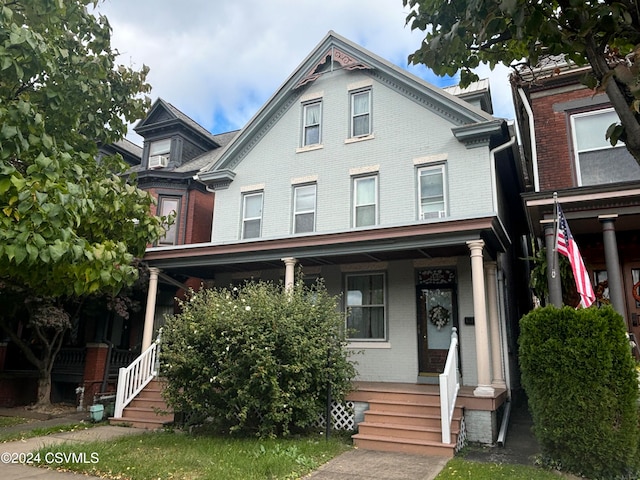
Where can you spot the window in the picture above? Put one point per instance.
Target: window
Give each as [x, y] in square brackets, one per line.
[251, 215]
[597, 162]
[431, 192]
[365, 307]
[159, 153]
[365, 200]
[361, 113]
[311, 123]
[166, 207]
[304, 208]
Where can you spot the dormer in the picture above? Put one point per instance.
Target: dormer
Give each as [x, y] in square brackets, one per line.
[171, 138]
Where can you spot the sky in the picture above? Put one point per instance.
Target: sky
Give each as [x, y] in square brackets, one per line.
[219, 61]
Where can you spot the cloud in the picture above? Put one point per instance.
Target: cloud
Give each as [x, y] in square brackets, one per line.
[220, 61]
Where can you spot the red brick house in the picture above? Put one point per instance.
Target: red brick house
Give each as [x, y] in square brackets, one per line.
[562, 125]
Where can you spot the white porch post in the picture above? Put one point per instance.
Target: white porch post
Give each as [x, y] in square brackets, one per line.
[494, 323]
[150, 313]
[289, 272]
[484, 388]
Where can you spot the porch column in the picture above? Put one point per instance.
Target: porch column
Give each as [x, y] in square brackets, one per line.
[553, 275]
[484, 388]
[289, 272]
[150, 313]
[494, 323]
[614, 275]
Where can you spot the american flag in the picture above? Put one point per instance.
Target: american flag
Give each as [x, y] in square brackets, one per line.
[567, 246]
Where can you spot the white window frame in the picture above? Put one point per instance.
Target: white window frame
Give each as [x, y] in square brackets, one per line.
[305, 126]
[171, 235]
[365, 306]
[297, 212]
[443, 172]
[353, 115]
[246, 219]
[574, 138]
[356, 181]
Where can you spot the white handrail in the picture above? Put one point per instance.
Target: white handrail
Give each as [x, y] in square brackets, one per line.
[449, 387]
[132, 379]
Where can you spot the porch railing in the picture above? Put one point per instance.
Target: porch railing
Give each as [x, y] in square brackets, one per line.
[449, 387]
[132, 379]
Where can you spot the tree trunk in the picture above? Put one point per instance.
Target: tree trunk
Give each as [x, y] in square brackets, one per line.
[44, 390]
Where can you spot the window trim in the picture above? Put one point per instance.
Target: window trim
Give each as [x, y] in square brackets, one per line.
[354, 208]
[295, 213]
[176, 224]
[383, 305]
[352, 115]
[305, 106]
[574, 138]
[443, 170]
[244, 220]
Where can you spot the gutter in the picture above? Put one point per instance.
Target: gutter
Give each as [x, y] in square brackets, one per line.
[494, 180]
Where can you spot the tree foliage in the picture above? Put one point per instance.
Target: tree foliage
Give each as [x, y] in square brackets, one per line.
[69, 225]
[582, 386]
[256, 359]
[460, 35]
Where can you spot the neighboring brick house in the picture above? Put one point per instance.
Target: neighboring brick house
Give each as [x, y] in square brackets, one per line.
[400, 195]
[563, 125]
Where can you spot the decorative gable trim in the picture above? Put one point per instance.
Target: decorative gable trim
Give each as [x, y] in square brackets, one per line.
[218, 179]
[332, 54]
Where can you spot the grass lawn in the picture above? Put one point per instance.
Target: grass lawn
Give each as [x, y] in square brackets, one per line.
[459, 468]
[11, 421]
[44, 431]
[169, 455]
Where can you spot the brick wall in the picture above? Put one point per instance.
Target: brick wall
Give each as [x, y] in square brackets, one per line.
[199, 217]
[553, 138]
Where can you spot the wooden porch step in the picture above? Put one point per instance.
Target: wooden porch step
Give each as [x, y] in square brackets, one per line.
[147, 410]
[402, 418]
[407, 432]
[391, 444]
[141, 423]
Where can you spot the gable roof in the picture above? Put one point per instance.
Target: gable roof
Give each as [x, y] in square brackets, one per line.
[335, 48]
[162, 115]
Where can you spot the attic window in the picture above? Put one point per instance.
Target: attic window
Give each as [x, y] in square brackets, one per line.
[159, 152]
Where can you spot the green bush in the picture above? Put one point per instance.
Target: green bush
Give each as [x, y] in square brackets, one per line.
[579, 375]
[256, 359]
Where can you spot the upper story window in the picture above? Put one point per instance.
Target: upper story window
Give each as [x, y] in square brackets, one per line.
[312, 114]
[361, 113]
[365, 302]
[166, 207]
[432, 192]
[597, 161]
[159, 153]
[252, 215]
[304, 208]
[365, 201]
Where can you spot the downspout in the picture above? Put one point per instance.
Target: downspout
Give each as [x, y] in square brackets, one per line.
[532, 137]
[494, 180]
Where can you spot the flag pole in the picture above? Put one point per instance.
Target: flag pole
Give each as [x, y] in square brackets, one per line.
[555, 233]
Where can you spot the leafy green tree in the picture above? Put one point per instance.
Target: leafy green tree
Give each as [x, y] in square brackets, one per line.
[256, 359]
[70, 225]
[462, 34]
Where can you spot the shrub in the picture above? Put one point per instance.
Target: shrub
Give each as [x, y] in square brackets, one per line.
[579, 375]
[256, 359]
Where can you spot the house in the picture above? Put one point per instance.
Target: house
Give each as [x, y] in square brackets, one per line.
[563, 125]
[404, 198]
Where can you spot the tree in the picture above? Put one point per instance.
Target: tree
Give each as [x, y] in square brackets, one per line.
[463, 34]
[70, 224]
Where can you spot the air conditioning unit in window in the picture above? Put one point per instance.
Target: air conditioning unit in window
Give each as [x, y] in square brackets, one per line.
[158, 161]
[432, 215]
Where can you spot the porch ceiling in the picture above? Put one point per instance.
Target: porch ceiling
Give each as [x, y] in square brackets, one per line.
[425, 240]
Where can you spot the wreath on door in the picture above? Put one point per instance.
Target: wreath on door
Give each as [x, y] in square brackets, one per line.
[439, 316]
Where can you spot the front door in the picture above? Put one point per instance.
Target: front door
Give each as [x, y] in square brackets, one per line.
[436, 296]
